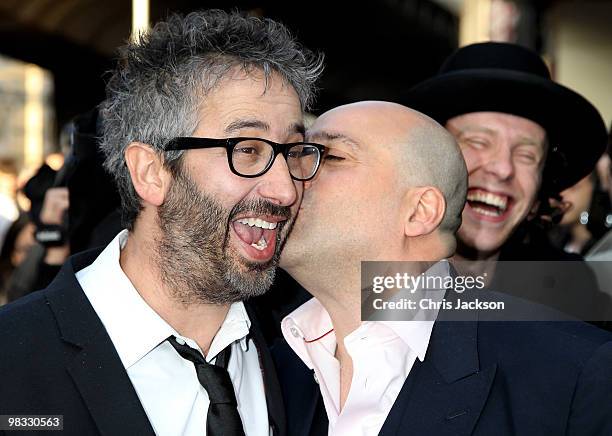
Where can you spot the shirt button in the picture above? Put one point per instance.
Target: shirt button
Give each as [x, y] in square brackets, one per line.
[180, 341]
[314, 375]
[295, 332]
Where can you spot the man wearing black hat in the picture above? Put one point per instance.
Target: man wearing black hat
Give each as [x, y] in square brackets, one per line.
[525, 138]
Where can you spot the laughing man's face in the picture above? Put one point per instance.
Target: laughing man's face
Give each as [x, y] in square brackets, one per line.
[504, 155]
[221, 233]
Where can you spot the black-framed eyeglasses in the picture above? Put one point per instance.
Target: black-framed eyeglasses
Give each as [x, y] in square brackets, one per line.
[253, 157]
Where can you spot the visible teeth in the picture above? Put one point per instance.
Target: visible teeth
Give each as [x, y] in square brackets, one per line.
[487, 212]
[258, 222]
[500, 201]
[261, 244]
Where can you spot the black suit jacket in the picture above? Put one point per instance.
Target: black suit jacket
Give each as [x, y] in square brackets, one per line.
[56, 358]
[483, 378]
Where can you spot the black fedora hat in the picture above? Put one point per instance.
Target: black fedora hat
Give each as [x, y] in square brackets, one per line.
[508, 78]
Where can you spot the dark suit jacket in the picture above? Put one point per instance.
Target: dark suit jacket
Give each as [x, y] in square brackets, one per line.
[488, 378]
[57, 359]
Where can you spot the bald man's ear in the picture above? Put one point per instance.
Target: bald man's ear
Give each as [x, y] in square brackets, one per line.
[424, 209]
[149, 177]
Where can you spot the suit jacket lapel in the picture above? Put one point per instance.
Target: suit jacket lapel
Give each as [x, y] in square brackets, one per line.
[304, 411]
[300, 391]
[93, 362]
[444, 394]
[274, 398]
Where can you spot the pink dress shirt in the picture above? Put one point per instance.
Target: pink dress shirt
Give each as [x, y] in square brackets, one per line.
[383, 353]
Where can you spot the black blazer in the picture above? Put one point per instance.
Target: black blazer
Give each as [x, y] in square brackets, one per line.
[483, 378]
[57, 359]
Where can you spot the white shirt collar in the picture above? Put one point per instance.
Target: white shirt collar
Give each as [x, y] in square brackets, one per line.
[133, 326]
[416, 334]
[310, 321]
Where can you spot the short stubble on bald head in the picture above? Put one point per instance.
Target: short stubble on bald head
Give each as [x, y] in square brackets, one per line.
[430, 156]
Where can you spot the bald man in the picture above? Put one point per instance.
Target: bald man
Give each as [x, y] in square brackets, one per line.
[392, 188]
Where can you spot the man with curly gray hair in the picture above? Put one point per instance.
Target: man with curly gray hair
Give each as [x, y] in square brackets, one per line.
[204, 136]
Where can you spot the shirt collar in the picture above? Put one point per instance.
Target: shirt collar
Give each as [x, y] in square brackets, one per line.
[133, 326]
[416, 334]
[235, 327]
[305, 324]
[311, 321]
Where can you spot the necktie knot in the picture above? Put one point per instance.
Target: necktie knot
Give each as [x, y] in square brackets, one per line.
[186, 352]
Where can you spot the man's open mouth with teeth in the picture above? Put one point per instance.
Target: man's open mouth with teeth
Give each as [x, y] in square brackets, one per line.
[489, 204]
[259, 234]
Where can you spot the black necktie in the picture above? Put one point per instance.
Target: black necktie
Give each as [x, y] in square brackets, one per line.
[222, 418]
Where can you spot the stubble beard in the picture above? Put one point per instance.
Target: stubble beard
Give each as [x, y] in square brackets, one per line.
[195, 261]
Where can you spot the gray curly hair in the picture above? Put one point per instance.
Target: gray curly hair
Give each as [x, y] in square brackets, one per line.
[157, 88]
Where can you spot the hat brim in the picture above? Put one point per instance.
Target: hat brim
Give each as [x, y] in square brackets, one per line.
[576, 132]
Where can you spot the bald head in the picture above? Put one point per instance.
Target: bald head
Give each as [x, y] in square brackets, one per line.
[391, 187]
[426, 154]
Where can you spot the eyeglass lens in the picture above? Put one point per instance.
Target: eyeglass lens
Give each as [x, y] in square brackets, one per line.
[251, 157]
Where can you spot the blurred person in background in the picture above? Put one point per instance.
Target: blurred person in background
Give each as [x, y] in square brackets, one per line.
[602, 250]
[47, 214]
[604, 169]
[600, 255]
[525, 138]
[583, 221]
[8, 208]
[18, 241]
[74, 204]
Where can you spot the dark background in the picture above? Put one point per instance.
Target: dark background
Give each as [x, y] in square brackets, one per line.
[373, 49]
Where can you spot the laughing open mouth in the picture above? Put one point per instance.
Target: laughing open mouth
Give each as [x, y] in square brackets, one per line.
[256, 232]
[258, 235]
[488, 203]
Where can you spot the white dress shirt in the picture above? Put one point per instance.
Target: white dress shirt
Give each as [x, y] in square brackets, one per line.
[167, 384]
[383, 353]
